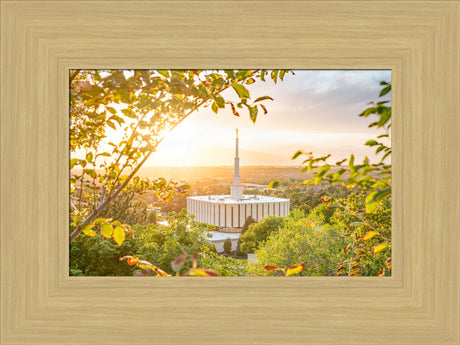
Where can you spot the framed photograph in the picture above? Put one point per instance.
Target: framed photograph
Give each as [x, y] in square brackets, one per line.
[233, 172]
[43, 42]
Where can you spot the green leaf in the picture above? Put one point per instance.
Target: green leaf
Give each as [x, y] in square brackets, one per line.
[230, 73]
[164, 73]
[385, 116]
[253, 113]
[297, 154]
[73, 161]
[241, 90]
[219, 101]
[263, 98]
[374, 197]
[323, 170]
[128, 112]
[274, 75]
[243, 74]
[112, 110]
[273, 184]
[385, 90]
[91, 172]
[214, 107]
[339, 163]
[371, 143]
[351, 162]
[144, 101]
[89, 157]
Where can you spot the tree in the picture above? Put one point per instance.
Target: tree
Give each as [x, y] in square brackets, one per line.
[143, 105]
[300, 240]
[98, 256]
[365, 238]
[249, 220]
[228, 246]
[128, 211]
[258, 232]
[162, 244]
[374, 180]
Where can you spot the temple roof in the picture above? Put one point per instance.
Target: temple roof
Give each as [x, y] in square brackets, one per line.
[226, 199]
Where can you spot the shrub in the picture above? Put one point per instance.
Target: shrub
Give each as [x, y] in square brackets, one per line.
[258, 233]
[228, 246]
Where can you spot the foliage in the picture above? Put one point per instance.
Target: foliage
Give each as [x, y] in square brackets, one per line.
[368, 236]
[162, 244]
[125, 210]
[257, 233]
[228, 246]
[249, 220]
[143, 105]
[300, 240]
[375, 178]
[98, 256]
[306, 199]
[226, 266]
[365, 221]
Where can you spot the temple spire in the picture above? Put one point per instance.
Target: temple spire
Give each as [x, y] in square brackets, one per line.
[236, 189]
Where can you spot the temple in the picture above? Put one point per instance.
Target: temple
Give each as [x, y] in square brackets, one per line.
[229, 212]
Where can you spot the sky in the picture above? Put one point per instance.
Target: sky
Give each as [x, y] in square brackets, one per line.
[313, 110]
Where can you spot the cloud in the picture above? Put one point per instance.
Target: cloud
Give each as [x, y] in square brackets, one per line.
[311, 108]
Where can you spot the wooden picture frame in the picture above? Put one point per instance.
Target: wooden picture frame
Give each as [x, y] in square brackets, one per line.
[417, 40]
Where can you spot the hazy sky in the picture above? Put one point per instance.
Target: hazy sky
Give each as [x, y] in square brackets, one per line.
[312, 110]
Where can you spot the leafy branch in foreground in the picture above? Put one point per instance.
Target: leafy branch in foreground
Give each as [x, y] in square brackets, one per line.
[143, 106]
[374, 178]
[147, 268]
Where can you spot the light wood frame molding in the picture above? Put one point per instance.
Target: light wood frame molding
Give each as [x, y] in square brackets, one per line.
[417, 40]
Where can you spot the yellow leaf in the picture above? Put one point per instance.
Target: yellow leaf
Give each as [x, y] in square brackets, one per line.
[145, 265]
[106, 230]
[88, 230]
[203, 272]
[119, 235]
[296, 269]
[368, 235]
[133, 261]
[379, 248]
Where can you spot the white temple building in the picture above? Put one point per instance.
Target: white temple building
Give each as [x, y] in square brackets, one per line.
[229, 212]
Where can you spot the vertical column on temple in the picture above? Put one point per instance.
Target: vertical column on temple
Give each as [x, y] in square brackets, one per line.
[236, 191]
